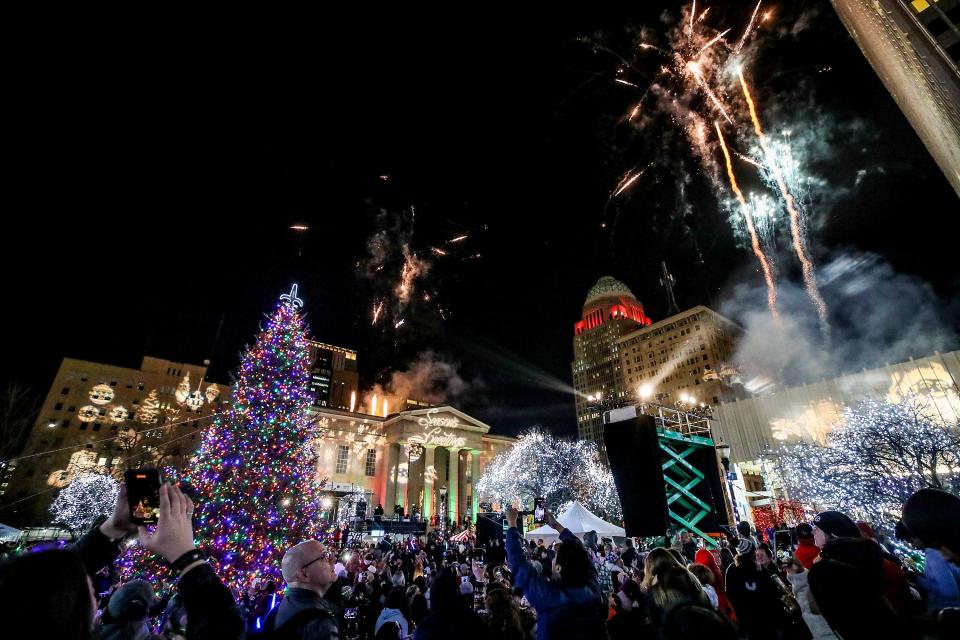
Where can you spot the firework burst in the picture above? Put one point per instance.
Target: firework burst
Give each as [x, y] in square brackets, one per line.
[696, 79]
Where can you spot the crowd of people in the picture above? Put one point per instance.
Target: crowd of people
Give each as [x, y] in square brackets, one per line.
[830, 578]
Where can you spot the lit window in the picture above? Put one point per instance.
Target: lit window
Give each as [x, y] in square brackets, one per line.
[343, 458]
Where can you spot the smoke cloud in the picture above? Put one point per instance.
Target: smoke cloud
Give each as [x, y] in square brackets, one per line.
[878, 316]
[431, 378]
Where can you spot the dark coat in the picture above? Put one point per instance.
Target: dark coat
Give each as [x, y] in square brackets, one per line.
[209, 604]
[455, 622]
[324, 627]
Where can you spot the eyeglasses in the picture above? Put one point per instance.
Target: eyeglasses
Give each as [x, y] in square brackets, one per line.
[326, 555]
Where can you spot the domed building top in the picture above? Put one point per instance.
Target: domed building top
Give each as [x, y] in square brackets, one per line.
[610, 300]
[607, 286]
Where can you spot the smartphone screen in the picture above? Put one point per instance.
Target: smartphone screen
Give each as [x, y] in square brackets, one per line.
[143, 495]
[538, 509]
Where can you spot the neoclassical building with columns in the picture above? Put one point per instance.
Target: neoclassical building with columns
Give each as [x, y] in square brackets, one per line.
[419, 458]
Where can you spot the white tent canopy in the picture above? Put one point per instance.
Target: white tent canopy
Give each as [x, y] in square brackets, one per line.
[579, 521]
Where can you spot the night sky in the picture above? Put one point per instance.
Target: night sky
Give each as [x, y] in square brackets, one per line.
[155, 178]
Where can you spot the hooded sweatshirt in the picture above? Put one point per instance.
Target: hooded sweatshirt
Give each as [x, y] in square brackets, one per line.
[392, 615]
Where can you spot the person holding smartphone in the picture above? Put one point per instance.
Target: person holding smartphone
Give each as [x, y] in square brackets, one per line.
[62, 603]
[570, 605]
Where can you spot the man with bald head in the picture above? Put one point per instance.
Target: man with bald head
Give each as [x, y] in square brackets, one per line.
[304, 613]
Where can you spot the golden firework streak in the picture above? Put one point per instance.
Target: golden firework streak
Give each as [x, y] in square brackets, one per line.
[796, 230]
[754, 240]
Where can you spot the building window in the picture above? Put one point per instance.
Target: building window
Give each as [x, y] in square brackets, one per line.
[139, 386]
[343, 457]
[71, 408]
[65, 424]
[371, 462]
[58, 406]
[83, 426]
[113, 383]
[96, 426]
[64, 391]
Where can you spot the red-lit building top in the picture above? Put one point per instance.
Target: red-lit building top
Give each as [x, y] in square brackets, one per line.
[610, 300]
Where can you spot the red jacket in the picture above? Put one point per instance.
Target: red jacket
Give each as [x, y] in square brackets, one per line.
[706, 558]
[807, 552]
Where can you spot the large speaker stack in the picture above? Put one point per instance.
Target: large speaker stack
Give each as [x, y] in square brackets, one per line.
[633, 451]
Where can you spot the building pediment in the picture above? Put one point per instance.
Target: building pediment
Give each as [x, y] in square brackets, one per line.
[436, 426]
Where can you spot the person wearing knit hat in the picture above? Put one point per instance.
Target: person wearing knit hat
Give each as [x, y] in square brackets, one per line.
[833, 524]
[126, 614]
[807, 551]
[753, 593]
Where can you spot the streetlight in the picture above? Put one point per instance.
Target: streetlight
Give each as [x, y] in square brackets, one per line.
[646, 392]
[723, 450]
[442, 515]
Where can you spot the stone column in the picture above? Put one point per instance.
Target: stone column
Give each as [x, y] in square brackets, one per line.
[453, 484]
[474, 477]
[390, 493]
[429, 457]
[403, 481]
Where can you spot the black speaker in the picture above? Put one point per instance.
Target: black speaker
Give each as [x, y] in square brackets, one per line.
[634, 456]
[489, 527]
[711, 490]
[361, 508]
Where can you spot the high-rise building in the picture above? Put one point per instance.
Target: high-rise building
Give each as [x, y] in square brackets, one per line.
[684, 358]
[334, 379]
[913, 45]
[84, 421]
[609, 312]
[621, 357]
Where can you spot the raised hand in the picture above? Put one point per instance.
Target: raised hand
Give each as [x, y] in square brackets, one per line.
[118, 524]
[173, 535]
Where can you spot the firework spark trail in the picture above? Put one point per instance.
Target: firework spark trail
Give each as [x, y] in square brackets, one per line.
[712, 42]
[693, 12]
[796, 229]
[458, 239]
[377, 308]
[626, 82]
[754, 240]
[750, 160]
[746, 31]
[625, 183]
[694, 69]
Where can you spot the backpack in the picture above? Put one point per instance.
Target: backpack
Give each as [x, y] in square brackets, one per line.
[288, 630]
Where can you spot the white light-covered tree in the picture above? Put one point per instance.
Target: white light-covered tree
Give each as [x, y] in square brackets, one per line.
[560, 471]
[80, 503]
[877, 456]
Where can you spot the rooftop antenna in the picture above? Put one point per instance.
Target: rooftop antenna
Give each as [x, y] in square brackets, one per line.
[667, 281]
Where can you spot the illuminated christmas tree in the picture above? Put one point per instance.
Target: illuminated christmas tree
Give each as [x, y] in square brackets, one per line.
[254, 481]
